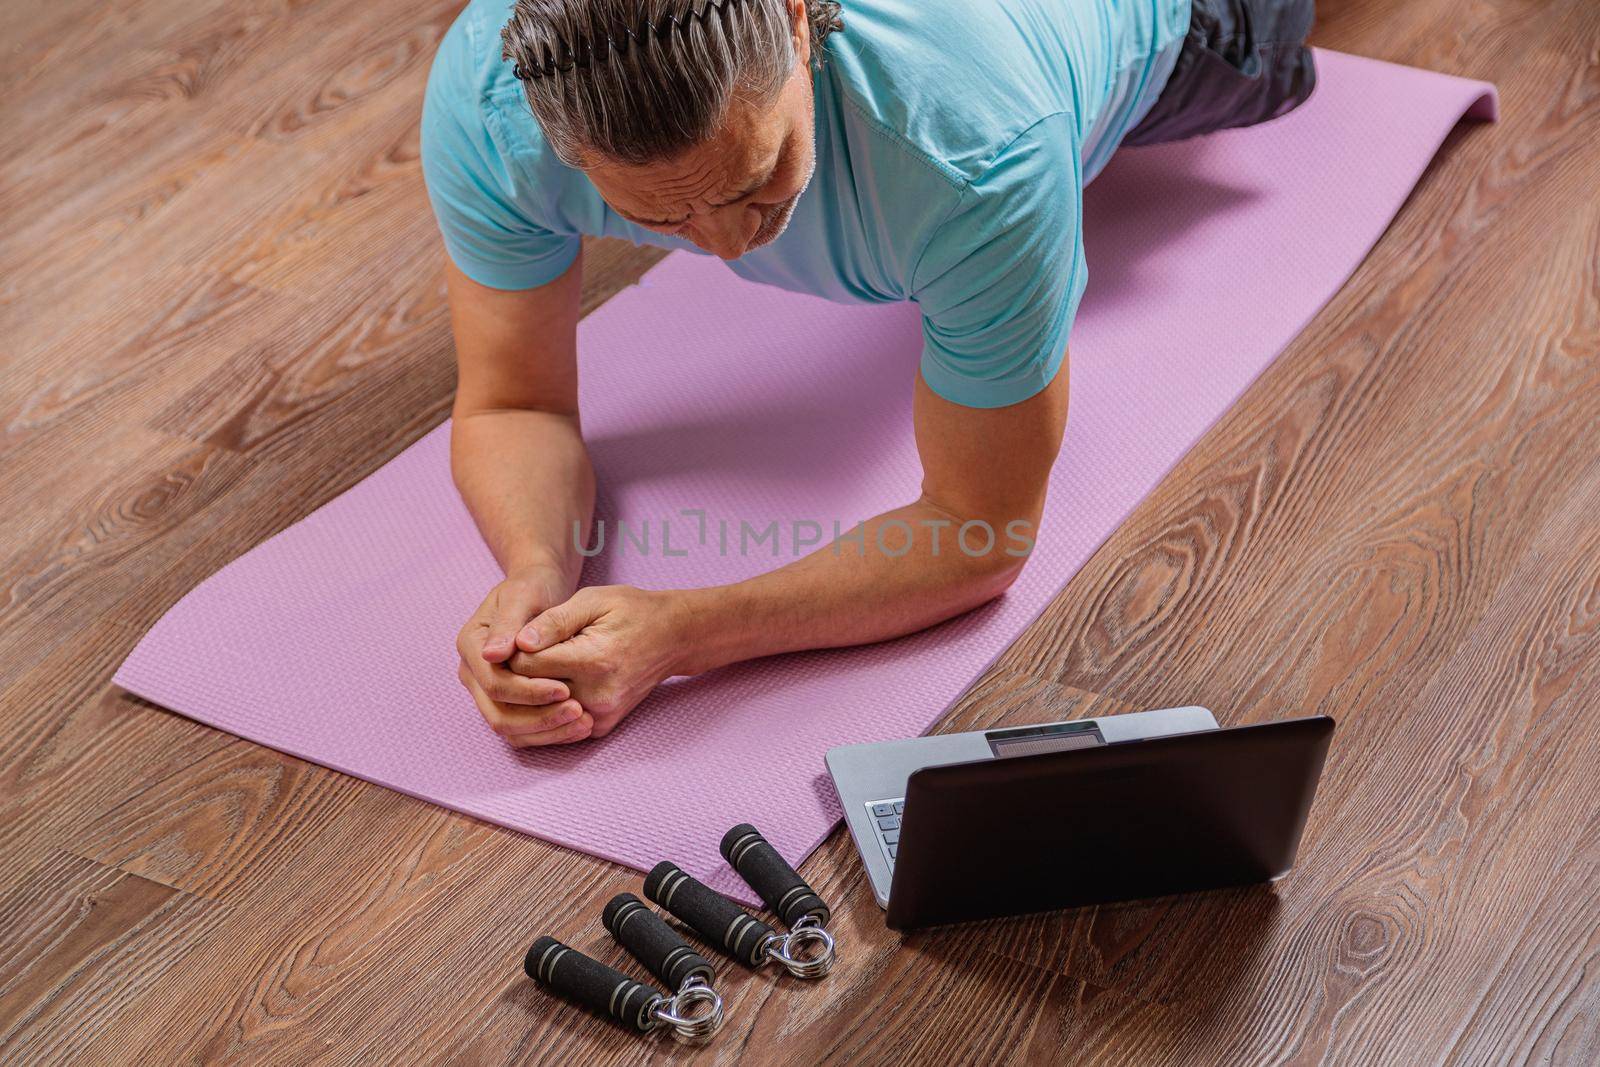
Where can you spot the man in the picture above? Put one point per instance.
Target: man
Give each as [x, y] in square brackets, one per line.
[925, 150]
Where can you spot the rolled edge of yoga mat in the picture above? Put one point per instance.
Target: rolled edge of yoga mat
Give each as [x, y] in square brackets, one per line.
[769, 874]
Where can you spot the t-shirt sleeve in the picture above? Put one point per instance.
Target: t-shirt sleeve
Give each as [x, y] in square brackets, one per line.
[485, 232]
[1000, 279]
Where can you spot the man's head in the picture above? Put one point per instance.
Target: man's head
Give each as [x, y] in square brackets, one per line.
[691, 117]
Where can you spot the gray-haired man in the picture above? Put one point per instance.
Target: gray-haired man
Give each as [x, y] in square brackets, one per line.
[934, 151]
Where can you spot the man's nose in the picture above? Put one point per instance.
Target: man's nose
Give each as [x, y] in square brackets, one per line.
[728, 231]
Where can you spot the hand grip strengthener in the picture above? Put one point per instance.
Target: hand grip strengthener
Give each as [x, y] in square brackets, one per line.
[610, 992]
[670, 958]
[806, 951]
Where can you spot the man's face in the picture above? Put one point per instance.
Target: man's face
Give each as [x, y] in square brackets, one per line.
[734, 193]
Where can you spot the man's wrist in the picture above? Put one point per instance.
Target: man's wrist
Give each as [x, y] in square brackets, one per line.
[558, 581]
[702, 630]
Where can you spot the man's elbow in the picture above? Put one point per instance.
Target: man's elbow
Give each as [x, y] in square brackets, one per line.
[995, 553]
[1000, 573]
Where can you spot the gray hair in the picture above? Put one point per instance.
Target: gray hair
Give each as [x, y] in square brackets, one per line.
[638, 81]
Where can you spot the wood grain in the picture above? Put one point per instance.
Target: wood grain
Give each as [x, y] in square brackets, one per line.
[79, 943]
[222, 304]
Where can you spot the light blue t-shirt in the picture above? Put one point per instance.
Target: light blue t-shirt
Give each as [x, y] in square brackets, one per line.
[953, 142]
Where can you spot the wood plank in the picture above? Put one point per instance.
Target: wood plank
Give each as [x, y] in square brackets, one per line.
[79, 940]
[62, 766]
[217, 827]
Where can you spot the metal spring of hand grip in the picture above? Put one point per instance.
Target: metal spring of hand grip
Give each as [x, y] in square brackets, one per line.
[676, 1011]
[788, 948]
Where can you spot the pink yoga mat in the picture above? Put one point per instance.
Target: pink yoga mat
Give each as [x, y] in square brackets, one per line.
[754, 405]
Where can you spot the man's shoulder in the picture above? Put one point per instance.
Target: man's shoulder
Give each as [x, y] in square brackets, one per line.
[950, 84]
[476, 117]
[469, 78]
[470, 52]
[459, 73]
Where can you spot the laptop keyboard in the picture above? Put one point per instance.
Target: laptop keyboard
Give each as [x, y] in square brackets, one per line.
[886, 818]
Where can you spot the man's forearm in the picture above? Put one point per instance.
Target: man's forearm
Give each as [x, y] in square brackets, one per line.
[911, 569]
[527, 479]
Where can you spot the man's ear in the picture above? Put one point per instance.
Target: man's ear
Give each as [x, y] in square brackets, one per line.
[800, 30]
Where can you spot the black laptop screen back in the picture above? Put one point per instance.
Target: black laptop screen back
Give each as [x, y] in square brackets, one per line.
[1114, 822]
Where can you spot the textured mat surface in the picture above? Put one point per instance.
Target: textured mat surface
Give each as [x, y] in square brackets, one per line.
[752, 405]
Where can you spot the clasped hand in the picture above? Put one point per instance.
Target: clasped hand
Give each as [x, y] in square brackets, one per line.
[545, 673]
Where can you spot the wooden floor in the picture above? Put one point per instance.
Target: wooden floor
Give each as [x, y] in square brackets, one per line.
[221, 305]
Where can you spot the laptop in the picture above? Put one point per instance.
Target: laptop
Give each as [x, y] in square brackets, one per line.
[975, 825]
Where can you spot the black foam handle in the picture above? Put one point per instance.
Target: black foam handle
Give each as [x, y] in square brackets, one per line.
[654, 943]
[592, 983]
[713, 916]
[758, 863]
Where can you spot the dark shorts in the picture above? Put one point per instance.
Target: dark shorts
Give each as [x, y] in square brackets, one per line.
[1243, 62]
